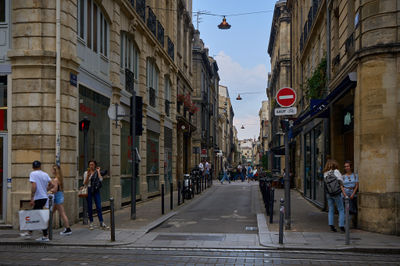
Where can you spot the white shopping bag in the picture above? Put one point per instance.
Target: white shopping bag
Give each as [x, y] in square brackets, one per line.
[33, 219]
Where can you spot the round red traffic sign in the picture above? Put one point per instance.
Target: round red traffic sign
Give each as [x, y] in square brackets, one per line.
[286, 97]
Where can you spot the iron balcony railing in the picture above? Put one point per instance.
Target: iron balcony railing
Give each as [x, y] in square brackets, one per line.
[171, 48]
[152, 21]
[312, 13]
[152, 97]
[160, 33]
[141, 8]
[129, 80]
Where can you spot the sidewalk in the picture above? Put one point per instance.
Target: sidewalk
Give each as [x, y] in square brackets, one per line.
[127, 231]
[310, 230]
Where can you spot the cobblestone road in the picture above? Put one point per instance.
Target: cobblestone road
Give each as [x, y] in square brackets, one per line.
[46, 255]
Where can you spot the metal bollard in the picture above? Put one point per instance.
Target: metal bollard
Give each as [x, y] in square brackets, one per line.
[347, 226]
[267, 198]
[197, 184]
[205, 182]
[183, 192]
[179, 193]
[85, 212]
[172, 196]
[281, 220]
[50, 216]
[112, 219]
[272, 201]
[192, 187]
[162, 199]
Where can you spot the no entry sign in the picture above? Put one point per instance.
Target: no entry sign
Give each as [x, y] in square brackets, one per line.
[286, 97]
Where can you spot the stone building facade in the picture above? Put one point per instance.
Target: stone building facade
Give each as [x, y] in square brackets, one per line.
[225, 116]
[280, 76]
[346, 72]
[264, 116]
[65, 60]
[205, 96]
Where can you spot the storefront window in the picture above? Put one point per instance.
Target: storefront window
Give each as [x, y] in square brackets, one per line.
[307, 168]
[319, 163]
[94, 107]
[3, 102]
[152, 161]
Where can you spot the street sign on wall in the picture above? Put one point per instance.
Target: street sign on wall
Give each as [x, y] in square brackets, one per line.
[286, 97]
[285, 111]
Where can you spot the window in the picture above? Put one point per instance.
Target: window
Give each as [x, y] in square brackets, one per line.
[2, 11]
[91, 22]
[152, 82]
[129, 55]
[167, 95]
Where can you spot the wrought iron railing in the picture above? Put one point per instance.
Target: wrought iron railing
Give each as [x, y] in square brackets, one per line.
[132, 3]
[312, 13]
[152, 97]
[160, 33]
[141, 8]
[152, 22]
[171, 48]
[167, 107]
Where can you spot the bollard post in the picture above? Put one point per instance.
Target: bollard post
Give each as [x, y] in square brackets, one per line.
[272, 201]
[281, 220]
[85, 214]
[183, 191]
[347, 228]
[51, 216]
[162, 199]
[267, 198]
[205, 182]
[112, 219]
[179, 193]
[171, 190]
[192, 187]
[197, 185]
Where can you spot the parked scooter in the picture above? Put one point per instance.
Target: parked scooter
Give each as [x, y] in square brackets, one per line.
[187, 186]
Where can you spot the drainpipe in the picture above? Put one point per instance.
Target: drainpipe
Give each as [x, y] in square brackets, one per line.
[58, 83]
[328, 45]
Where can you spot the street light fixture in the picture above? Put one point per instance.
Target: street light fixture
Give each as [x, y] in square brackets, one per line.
[239, 98]
[242, 127]
[224, 25]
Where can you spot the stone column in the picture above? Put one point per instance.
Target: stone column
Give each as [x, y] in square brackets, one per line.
[33, 57]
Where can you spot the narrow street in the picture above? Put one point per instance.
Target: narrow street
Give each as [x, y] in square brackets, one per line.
[230, 209]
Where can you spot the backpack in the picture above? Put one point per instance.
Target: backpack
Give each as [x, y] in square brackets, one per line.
[332, 184]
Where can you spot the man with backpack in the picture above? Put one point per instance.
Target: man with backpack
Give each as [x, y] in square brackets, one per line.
[334, 187]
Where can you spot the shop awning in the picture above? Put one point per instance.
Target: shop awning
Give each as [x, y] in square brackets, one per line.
[323, 105]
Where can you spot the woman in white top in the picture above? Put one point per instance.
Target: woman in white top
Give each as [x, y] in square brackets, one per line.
[331, 167]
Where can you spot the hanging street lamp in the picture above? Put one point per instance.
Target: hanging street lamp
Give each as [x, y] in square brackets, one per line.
[239, 98]
[224, 25]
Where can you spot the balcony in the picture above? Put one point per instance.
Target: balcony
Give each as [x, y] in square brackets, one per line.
[171, 48]
[167, 107]
[152, 97]
[312, 13]
[160, 33]
[141, 8]
[152, 22]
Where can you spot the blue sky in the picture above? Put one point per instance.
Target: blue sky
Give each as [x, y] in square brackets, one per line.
[241, 53]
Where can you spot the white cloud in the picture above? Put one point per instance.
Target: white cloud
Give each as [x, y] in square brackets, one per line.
[241, 79]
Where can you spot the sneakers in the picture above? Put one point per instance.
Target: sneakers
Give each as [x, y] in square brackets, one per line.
[43, 239]
[104, 226]
[91, 226]
[66, 232]
[26, 234]
[333, 228]
[342, 229]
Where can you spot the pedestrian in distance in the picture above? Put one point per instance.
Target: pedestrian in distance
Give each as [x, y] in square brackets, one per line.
[334, 187]
[350, 184]
[40, 181]
[240, 171]
[57, 188]
[225, 177]
[249, 173]
[92, 179]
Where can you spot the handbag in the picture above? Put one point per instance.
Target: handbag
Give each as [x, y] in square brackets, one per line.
[96, 183]
[83, 192]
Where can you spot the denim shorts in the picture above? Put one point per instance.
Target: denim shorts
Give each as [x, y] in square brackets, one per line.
[59, 197]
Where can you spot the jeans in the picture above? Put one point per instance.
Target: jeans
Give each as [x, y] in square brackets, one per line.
[331, 205]
[96, 196]
[38, 205]
[225, 178]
